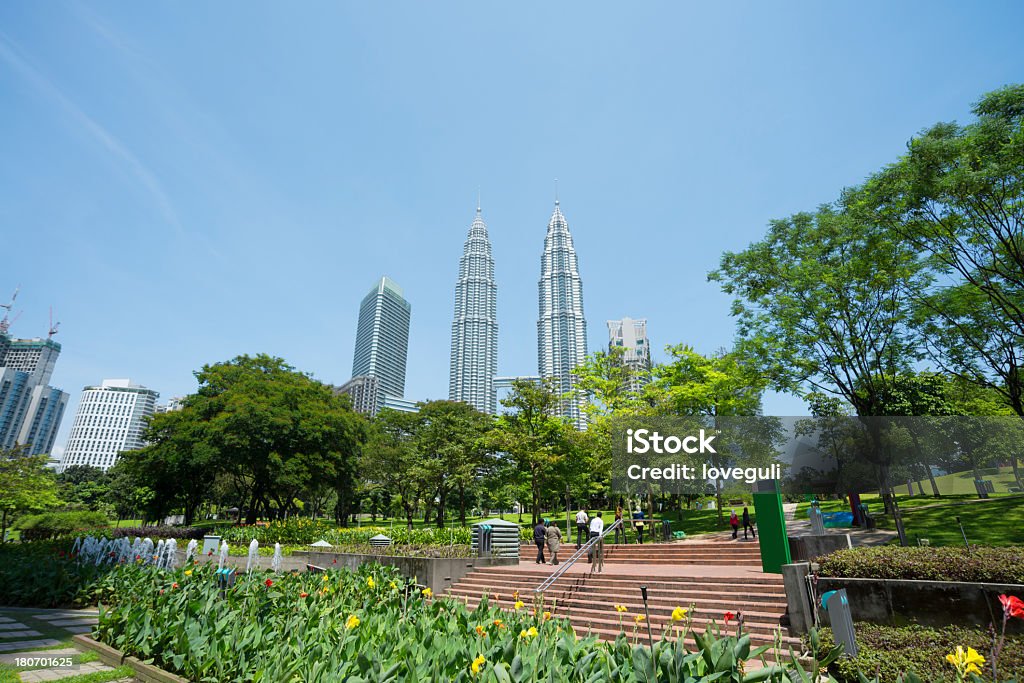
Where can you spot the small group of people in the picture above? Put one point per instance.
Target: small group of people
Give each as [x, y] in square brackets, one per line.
[734, 522]
[547, 533]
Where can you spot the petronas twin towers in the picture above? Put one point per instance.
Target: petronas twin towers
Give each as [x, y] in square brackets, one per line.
[561, 326]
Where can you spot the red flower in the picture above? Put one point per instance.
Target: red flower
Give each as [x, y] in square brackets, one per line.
[303, 595]
[728, 616]
[174, 585]
[138, 557]
[209, 554]
[335, 560]
[161, 591]
[1012, 606]
[268, 583]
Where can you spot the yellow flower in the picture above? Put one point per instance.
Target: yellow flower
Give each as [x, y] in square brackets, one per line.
[520, 604]
[638, 618]
[530, 632]
[188, 572]
[620, 608]
[325, 576]
[966, 662]
[352, 622]
[427, 592]
[477, 663]
[547, 615]
[370, 583]
[480, 630]
[678, 614]
[394, 586]
[499, 623]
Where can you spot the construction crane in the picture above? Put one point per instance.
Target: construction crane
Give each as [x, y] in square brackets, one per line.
[14, 297]
[6, 323]
[53, 325]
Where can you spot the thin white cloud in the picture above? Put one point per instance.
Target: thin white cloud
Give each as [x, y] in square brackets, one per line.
[10, 54]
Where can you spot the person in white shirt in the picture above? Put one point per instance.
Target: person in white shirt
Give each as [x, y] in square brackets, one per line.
[581, 527]
[596, 529]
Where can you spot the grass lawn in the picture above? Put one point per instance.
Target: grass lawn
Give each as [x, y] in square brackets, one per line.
[996, 521]
[963, 482]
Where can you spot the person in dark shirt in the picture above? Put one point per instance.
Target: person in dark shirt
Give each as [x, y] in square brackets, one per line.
[539, 537]
[746, 523]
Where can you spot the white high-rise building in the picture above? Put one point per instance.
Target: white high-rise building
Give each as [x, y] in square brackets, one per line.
[111, 418]
[631, 336]
[561, 328]
[474, 357]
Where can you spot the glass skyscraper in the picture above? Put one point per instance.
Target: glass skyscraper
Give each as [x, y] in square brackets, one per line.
[561, 328]
[474, 357]
[382, 339]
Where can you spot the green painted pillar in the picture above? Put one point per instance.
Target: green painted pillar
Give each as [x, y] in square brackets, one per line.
[771, 526]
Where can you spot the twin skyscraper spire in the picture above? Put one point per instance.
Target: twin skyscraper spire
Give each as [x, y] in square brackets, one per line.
[561, 325]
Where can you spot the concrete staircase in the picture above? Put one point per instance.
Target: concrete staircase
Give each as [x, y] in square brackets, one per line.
[691, 552]
[589, 600]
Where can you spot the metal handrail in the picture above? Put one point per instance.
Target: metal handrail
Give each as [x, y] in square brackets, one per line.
[575, 556]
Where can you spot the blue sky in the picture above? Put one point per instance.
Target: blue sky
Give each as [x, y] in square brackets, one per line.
[187, 182]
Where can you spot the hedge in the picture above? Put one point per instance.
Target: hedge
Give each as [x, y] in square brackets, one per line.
[981, 565]
[887, 651]
[57, 524]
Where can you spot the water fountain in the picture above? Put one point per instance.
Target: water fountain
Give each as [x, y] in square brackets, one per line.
[275, 562]
[223, 557]
[171, 554]
[190, 551]
[158, 560]
[254, 555]
[146, 551]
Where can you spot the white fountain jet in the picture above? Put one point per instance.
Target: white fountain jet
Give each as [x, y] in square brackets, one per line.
[254, 554]
[275, 562]
[223, 555]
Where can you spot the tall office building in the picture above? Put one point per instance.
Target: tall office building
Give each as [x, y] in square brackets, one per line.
[474, 358]
[382, 339]
[30, 409]
[561, 328]
[110, 420]
[631, 336]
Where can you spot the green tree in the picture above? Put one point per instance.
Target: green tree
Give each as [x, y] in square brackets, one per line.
[532, 436]
[957, 196]
[26, 485]
[449, 441]
[823, 303]
[86, 486]
[723, 385]
[389, 458]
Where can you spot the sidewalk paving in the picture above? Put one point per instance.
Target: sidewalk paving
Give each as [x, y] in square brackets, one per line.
[36, 645]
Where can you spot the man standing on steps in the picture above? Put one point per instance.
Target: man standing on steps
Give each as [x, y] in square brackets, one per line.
[539, 537]
[596, 529]
[554, 536]
[746, 523]
[581, 527]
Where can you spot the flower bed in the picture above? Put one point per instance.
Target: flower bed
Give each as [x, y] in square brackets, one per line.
[305, 531]
[44, 574]
[981, 565]
[369, 625]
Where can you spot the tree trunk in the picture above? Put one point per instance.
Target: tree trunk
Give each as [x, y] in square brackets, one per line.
[462, 504]
[931, 478]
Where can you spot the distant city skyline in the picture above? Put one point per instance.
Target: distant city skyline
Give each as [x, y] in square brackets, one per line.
[185, 186]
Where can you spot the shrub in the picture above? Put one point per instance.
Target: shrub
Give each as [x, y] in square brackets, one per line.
[887, 651]
[981, 565]
[301, 531]
[51, 525]
[153, 532]
[44, 574]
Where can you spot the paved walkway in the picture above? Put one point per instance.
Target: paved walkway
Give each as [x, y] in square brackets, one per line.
[36, 644]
